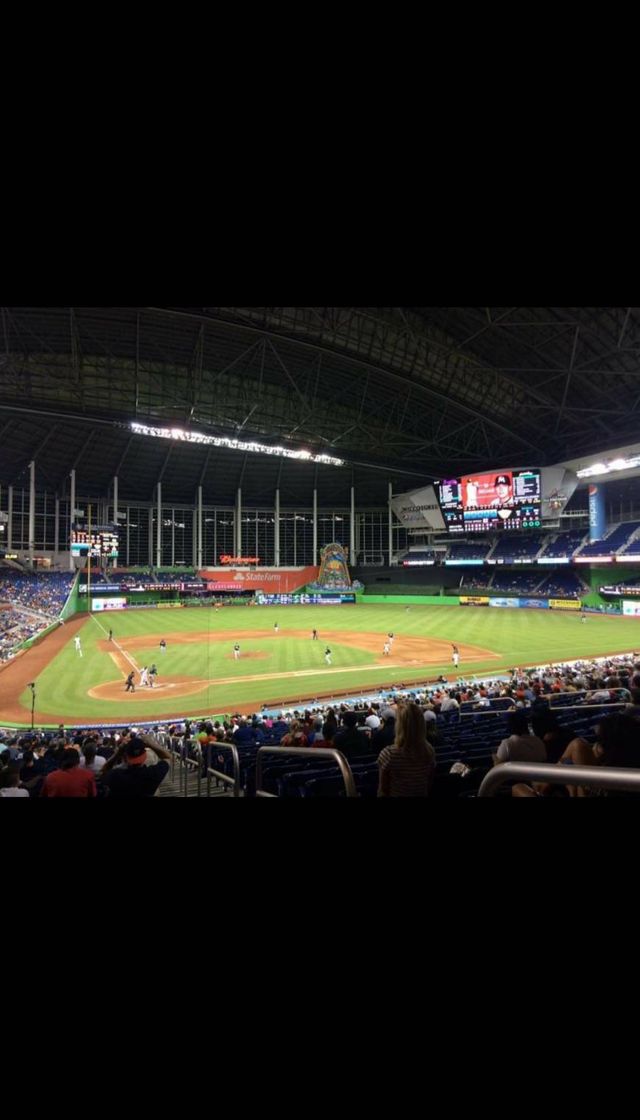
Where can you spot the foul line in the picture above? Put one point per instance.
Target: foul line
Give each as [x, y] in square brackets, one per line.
[116, 644]
[304, 673]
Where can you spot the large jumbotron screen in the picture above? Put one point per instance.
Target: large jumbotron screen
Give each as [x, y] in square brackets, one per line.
[483, 503]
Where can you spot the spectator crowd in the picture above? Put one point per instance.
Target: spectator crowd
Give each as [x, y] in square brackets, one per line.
[29, 602]
[404, 730]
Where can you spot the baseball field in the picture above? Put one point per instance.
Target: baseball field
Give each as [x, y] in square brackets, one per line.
[199, 675]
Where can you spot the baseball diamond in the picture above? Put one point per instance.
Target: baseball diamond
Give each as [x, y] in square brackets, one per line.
[199, 674]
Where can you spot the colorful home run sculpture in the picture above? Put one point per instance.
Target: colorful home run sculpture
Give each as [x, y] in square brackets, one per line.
[334, 572]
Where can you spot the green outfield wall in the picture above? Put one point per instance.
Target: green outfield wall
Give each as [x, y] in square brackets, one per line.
[406, 600]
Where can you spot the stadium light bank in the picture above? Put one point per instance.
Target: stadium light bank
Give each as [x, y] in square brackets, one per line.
[182, 436]
[608, 466]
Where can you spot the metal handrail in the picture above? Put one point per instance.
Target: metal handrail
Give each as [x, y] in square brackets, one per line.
[191, 762]
[211, 773]
[307, 752]
[600, 777]
[558, 707]
[185, 762]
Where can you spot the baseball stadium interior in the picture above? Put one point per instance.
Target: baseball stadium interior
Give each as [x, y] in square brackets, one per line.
[319, 552]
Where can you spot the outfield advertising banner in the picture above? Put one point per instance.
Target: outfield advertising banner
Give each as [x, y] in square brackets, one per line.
[312, 598]
[504, 602]
[276, 580]
[168, 606]
[544, 603]
[118, 603]
[564, 604]
[631, 608]
[474, 600]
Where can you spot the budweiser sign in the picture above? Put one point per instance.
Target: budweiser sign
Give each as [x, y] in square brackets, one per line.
[239, 559]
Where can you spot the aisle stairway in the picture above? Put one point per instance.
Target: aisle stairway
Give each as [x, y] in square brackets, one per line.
[171, 787]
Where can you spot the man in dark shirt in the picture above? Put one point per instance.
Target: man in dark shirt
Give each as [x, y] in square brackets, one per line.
[384, 736]
[32, 773]
[280, 727]
[243, 732]
[349, 740]
[136, 779]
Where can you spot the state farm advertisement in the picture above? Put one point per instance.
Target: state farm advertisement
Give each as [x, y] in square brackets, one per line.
[274, 580]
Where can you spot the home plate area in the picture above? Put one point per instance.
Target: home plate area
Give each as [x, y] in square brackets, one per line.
[172, 686]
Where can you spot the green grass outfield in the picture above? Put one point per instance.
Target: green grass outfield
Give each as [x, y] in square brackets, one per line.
[518, 637]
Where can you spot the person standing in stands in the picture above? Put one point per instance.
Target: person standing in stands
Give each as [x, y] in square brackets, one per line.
[407, 767]
[136, 778]
[70, 780]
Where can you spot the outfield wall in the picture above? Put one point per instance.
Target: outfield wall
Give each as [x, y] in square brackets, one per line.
[405, 600]
[607, 575]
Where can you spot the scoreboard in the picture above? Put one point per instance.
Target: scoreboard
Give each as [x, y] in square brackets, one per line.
[100, 544]
[503, 500]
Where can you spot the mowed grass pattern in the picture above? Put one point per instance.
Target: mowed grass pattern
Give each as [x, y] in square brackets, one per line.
[519, 637]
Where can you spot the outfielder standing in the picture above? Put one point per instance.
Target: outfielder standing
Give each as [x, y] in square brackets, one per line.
[77, 644]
